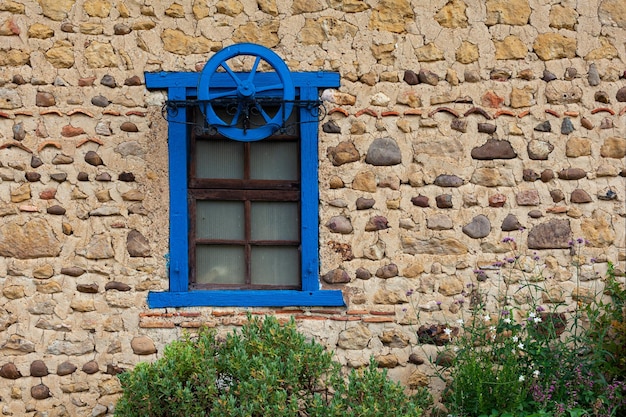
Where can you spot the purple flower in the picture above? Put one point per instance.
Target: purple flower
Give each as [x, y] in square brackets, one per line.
[508, 239]
[510, 260]
[540, 309]
[580, 240]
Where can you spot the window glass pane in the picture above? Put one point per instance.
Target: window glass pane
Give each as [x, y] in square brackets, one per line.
[220, 264]
[276, 265]
[274, 160]
[219, 159]
[220, 220]
[275, 221]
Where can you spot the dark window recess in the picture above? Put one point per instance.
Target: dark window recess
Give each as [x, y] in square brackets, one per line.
[244, 212]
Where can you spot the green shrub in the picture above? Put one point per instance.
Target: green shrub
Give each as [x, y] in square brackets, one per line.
[266, 369]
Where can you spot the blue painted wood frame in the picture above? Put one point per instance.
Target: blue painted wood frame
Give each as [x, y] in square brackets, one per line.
[182, 86]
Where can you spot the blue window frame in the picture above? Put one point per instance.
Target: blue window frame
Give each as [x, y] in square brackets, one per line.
[182, 87]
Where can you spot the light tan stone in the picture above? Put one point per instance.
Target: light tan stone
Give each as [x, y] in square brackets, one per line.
[576, 147]
[383, 53]
[13, 292]
[97, 8]
[429, 53]
[200, 9]
[452, 15]
[389, 297]
[43, 271]
[177, 11]
[230, 7]
[605, 51]
[354, 338]
[101, 55]
[48, 287]
[91, 28]
[56, 9]
[467, 53]
[143, 345]
[507, 12]
[434, 246]
[348, 6]
[20, 193]
[176, 41]
[61, 55]
[418, 379]
[613, 13]
[563, 17]
[264, 33]
[365, 181]
[14, 58]
[307, 6]
[122, 9]
[413, 270]
[613, 147]
[522, 97]
[35, 239]
[451, 285]
[40, 31]
[82, 305]
[268, 6]
[549, 46]
[12, 7]
[391, 16]
[510, 47]
[598, 230]
[144, 25]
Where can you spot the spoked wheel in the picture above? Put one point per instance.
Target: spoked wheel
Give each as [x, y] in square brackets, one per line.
[246, 92]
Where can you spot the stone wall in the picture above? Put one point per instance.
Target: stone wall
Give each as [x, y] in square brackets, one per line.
[458, 124]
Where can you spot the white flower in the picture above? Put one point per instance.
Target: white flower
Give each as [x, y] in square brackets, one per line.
[532, 314]
[521, 378]
[537, 320]
[460, 322]
[515, 338]
[507, 320]
[536, 373]
[492, 328]
[447, 331]
[487, 318]
[520, 345]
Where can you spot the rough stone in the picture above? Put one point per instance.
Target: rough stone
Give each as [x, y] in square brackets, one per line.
[444, 201]
[563, 17]
[340, 224]
[343, 153]
[383, 152]
[66, 368]
[392, 16]
[34, 239]
[572, 174]
[479, 227]
[100, 55]
[510, 223]
[507, 12]
[528, 198]
[554, 234]
[336, 276]
[38, 368]
[429, 53]
[511, 47]
[544, 126]
[580, 196]
[354, 338]
[448, 181]
[433, 246]
[577, 147]
[143, 345]
[494, 149]
[420, 201]
[557, 196]
[56, 9]
[176, 41]
[467, 53]
[613, 147]
[439, 222]
[539, 149]
[550, 46]
[10, 371]
[497, 200]
[376, 223]
[558, 93]
[612, 13]
[40, 392]
[365, 181]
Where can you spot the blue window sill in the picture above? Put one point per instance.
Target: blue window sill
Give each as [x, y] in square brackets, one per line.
[246, 298]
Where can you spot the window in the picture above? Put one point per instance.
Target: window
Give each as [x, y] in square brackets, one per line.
[243, 214]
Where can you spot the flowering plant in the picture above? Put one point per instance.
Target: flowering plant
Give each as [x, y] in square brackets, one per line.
[527, 354]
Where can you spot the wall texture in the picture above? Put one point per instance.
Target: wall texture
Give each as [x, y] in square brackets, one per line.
[458, 124]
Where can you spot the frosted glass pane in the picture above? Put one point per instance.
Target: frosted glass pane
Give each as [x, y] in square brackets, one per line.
[276, 265]
[220, 220]
[271, 160]
[275, 221]
[219, 159]
[220, 265]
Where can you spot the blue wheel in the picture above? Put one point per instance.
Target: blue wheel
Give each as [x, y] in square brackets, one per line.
[246, 92]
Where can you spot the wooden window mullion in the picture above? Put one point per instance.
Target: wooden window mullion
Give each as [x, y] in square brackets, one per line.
[248, 238]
